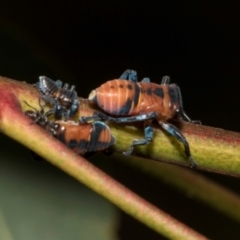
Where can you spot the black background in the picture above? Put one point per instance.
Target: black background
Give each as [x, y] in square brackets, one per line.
[86, 43]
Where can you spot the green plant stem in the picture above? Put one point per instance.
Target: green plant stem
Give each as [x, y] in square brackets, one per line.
[213, 149]
[16, 125]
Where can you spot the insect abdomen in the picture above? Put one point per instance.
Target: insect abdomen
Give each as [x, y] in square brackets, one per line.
[162, 99]
[83, 138]
[100, 137]
[118, 97]
[47, 86]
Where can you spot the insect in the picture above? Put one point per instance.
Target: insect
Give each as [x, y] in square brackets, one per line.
[81, 138]
[126, 100]
[64, 99]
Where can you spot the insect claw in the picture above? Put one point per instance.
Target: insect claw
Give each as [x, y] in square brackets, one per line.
[193, 164]
[128, 152]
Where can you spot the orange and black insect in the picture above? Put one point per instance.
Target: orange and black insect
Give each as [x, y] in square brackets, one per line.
[64, 99]
[127, 100]
[81, 138]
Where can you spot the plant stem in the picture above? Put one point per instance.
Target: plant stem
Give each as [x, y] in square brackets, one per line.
[213, 149]
[17, 126]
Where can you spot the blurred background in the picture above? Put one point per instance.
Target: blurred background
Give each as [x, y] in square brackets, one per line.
[86, 43]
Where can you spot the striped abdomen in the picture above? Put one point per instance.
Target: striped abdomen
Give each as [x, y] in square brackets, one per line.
[83, 138]
[52, 88]
[126, 98]
[47, 86]
[118, 97]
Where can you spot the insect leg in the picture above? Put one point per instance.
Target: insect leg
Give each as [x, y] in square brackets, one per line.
[146, 80]
[165, 80]
[73, 109]
[130, 75]
[59, 83]
[99, 116]
[72, 88]
[185, 117]
[148, 136]
[65, 86]
[88, 119]
[58, 111]
[181, 112]
[175, 132]
[137, 118]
